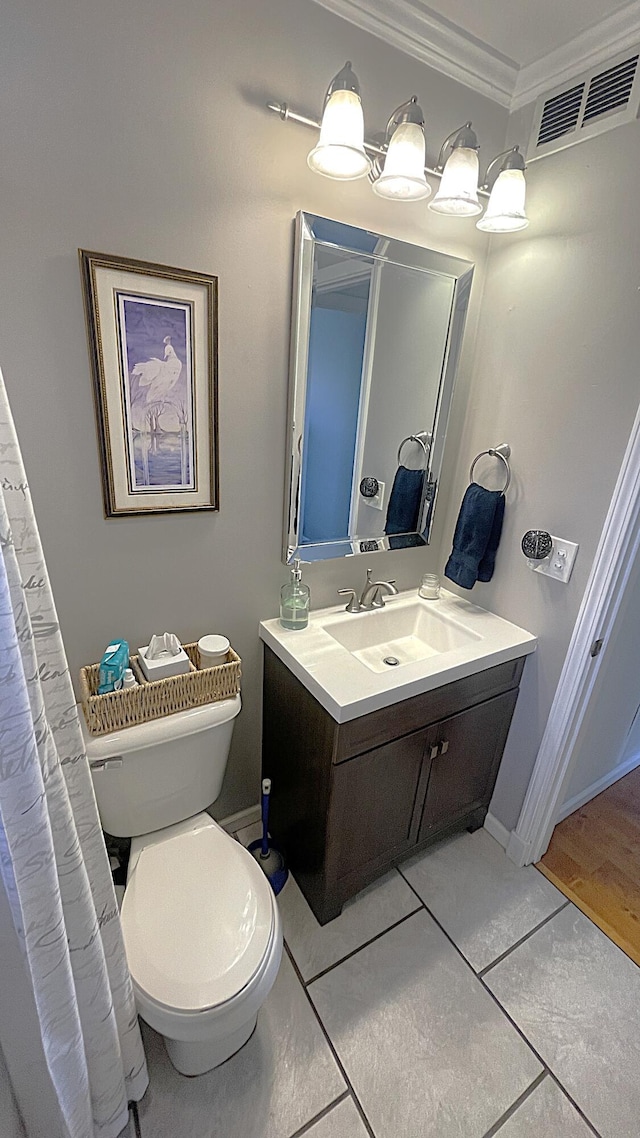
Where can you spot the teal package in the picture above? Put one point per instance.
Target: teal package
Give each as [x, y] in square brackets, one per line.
[113, 665]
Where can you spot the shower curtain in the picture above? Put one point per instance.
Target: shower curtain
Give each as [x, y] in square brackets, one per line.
[52, 856]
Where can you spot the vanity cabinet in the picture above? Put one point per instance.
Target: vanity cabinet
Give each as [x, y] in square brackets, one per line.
[350, 800]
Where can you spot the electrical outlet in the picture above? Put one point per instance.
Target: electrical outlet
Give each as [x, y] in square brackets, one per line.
[560, 561]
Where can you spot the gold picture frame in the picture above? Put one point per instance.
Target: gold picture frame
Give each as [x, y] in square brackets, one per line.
[153, 345]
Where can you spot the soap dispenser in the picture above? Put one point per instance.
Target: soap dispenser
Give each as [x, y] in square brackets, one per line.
[295, 598]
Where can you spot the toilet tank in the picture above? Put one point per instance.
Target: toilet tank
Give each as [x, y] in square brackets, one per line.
[155, 774]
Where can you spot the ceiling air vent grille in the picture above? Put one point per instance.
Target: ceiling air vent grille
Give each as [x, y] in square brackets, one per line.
[610, 89]
[560, 114]
[590, 104]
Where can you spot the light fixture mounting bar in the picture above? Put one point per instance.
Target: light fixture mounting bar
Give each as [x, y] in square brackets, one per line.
[284, 112]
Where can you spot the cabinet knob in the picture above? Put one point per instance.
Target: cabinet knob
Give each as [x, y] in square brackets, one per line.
[434, 751]
[444, 747]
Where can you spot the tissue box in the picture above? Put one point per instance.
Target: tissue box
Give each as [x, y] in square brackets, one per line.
[166, 666]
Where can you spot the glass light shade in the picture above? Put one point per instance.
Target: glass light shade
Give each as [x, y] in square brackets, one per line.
[505, 211]
[403, 176]
[458, 193]
[340, 151]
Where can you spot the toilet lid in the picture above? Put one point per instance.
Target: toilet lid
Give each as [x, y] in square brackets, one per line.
[197, 919]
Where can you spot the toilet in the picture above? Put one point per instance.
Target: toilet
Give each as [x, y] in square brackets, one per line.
[200, 921]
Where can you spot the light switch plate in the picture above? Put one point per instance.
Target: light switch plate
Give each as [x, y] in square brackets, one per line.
[560, 561]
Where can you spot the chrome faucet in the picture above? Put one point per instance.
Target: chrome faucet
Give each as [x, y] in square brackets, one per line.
[372, 595]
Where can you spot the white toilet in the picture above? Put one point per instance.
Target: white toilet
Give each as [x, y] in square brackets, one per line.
[200, 922]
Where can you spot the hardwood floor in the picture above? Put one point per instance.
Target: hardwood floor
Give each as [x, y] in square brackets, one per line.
[594, 858]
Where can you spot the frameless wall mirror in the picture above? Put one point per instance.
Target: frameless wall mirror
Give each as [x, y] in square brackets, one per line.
[376, 334]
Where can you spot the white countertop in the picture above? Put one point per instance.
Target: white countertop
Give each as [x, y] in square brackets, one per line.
[347, 688]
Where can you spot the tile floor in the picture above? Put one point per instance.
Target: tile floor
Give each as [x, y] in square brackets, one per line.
[458, 997]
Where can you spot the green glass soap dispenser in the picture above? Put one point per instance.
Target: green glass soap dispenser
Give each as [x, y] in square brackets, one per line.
[295, 599]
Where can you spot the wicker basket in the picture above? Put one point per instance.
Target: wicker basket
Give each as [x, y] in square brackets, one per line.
[156, 698]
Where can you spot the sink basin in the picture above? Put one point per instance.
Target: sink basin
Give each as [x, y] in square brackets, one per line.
[340, 657]
[393, 637]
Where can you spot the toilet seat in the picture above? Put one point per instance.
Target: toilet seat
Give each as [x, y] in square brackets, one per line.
[198, 918]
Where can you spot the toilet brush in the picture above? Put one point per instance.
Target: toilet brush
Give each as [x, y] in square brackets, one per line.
[268, 856]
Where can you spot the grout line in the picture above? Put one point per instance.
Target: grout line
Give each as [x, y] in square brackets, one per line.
[513, 1023]
[365, 944]
[516, 1105]
[573, 1102]
[331, 1047]
[320, 1115]
[596, 919]
[540, 925]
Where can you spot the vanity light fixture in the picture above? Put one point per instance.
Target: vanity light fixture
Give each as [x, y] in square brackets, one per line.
[458, 193]
[505, 211]
[340, 152]
[397, 165]
[400, 176]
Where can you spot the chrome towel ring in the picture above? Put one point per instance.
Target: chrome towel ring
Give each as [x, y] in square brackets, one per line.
[502, 452]
[423, 440]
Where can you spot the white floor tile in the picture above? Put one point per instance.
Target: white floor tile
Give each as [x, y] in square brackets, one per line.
[547, 1113]
[342, 1121]
[426, 1048]
[576, 996]
[483, 901]
[315, 947]
[277, 1082]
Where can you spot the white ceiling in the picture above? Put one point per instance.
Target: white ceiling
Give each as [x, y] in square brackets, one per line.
[525, 30]
[509, 50]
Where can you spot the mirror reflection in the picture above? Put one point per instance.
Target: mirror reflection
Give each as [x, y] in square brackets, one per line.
[376, 335]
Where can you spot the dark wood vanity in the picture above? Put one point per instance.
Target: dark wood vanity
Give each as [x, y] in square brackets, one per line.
[350, 800]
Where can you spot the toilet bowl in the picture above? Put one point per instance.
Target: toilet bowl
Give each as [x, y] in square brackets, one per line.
[200, 922]
[203, 940]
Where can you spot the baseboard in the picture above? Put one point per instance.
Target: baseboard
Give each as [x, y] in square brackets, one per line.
[597, 787]
[518, 852]
[243, 818]
[494, 826]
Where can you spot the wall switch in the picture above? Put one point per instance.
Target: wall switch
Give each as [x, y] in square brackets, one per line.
[560, 561]
[378, 501]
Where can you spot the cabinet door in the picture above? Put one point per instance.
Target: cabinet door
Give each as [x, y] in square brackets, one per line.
[373, 802]
[463, 770]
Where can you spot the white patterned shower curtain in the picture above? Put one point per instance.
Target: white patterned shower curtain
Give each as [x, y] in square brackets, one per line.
[52, 856]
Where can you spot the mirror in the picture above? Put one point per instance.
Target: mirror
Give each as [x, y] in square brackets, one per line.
[376, 333]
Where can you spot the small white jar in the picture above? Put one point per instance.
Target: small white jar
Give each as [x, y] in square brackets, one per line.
[212, 651]
[430, 587]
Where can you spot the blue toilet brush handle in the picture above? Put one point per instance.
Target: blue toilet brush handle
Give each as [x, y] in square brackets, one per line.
[266, 790]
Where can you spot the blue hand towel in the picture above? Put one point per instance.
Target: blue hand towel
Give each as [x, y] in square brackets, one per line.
[476, 537]
[488, 562]
[405, 501]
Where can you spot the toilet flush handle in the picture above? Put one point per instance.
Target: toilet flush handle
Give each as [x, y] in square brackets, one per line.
[106, 764]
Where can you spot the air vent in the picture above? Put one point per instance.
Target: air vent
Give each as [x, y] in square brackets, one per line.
[590, 104]
[560, 114]
[610, 89]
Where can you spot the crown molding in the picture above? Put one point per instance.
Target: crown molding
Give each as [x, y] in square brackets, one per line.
[610, 36]
[422, 34]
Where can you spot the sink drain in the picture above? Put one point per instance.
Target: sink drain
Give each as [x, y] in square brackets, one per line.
[391, 661]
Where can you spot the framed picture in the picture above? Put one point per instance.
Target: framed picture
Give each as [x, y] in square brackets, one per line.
[153, 345]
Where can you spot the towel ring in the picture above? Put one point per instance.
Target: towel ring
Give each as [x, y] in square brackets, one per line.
[420, 439]
[496, 452]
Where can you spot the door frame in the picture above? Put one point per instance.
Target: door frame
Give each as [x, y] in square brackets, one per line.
[612, 566]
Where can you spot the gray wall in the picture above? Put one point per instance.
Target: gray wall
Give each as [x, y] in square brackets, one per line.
[556, 376]
[140, 130]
